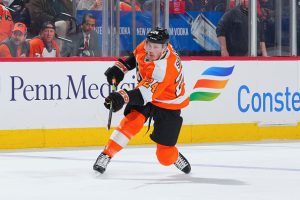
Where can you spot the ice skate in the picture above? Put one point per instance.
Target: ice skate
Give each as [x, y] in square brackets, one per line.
[182, 164]
[101, 163]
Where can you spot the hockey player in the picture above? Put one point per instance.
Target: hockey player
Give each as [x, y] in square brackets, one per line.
[159, 95]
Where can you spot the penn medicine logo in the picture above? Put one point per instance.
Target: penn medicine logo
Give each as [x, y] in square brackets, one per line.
[213, 80]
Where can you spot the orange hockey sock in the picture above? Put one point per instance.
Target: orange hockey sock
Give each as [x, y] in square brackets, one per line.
[131, 124]
[112, 148]
[166, 155]
[128, 127]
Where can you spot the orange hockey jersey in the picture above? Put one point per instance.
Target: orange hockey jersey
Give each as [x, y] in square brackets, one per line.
[38, 49]
[124, 6]
[6, 23]
[161, 82]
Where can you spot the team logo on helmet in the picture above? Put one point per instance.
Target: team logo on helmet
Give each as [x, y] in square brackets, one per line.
[158, 35]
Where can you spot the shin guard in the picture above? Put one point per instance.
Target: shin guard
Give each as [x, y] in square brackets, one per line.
[166, 155]
[130, 125]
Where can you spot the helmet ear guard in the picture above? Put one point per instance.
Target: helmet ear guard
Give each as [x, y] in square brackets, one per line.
[158, 36]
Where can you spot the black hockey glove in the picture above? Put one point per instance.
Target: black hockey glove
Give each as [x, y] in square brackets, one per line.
[120, 68]
[118, 99]
[117, 71]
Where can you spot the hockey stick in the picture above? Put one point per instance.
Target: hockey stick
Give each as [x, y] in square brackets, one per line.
[63, 39]
[10, 9]
[114, 88]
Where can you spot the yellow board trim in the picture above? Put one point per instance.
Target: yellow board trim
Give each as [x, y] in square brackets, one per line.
[190, 134]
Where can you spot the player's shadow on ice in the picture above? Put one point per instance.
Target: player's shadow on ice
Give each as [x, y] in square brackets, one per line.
[189, 179]
[183, 179]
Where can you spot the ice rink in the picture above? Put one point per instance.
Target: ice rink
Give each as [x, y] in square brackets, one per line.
[231, 171]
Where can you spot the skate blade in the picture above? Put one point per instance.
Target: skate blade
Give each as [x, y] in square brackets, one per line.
[97, 174]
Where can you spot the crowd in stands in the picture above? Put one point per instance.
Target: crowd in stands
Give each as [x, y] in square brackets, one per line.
[44, 33]
[232, 31]
[45, 28]
[142, 5]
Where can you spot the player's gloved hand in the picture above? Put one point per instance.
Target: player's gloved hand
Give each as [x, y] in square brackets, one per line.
[117, 71]
[118, 99]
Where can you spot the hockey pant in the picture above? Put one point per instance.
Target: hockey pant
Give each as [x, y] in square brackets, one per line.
[129, 126]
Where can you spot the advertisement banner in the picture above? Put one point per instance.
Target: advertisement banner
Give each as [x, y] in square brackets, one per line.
[71, 94]
[54, 95]
[263, 92]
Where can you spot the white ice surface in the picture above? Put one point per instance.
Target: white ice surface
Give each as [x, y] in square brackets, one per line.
[236, 171]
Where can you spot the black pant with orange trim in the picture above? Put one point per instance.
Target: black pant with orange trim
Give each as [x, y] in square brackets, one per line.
[167, 123]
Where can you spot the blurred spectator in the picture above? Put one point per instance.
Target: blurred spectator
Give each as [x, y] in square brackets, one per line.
[90, 5]
[45, 45]
[202, 5]
[147, 5]
[205, 5]
[86, 42]
[20, 13]
[125, 5]
[16, 45]
[232, 32]
[216, 5]
[175, 6]
[50, 10]
[190, 5]
[6, 22]
[267, 9]
[268, 19]
[231, 4]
